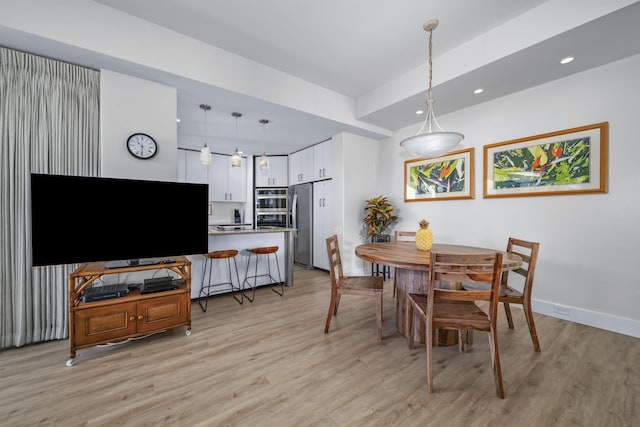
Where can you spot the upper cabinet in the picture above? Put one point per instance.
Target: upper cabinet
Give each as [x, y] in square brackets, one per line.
[190, 169]
[301, 166]
[311, 164]
[322, 160]
[226, 183]
[294, 168]
[275, 175]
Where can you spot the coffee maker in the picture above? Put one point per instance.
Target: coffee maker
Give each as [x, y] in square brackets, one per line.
[236, 216]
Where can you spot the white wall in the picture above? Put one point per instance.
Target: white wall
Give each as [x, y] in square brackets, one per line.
[129, 105]
[355, 176]
[588, 243]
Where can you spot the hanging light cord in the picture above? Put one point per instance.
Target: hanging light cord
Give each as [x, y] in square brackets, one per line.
[430, 62]
[264, 134]
[205, 108]
[431, 140]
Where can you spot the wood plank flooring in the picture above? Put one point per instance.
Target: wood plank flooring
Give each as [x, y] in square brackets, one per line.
[270, 364]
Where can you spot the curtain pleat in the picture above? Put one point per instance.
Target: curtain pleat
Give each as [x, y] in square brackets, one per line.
[49, 123]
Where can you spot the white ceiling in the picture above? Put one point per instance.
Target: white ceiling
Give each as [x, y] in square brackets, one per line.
[348, 46]
[354, 48]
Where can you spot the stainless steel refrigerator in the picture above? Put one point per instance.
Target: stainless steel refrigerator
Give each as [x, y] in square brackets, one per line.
[302, 220]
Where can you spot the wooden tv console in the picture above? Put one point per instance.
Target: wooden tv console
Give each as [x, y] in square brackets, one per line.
[130, 316]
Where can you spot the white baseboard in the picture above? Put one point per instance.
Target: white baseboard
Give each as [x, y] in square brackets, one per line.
[604, 321]
[595, 319]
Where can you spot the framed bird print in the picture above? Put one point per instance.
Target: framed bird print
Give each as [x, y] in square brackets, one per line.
[448, 177]
[571, 161]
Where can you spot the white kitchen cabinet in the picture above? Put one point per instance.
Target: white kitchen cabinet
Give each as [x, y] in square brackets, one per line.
[301, 166]
[238, 182]
[322, 160]
[322, 222]
[294, 168]
[190, 169]
[226, 183]
[275, 176]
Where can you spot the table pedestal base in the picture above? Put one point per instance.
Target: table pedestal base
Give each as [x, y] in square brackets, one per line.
[414, 281]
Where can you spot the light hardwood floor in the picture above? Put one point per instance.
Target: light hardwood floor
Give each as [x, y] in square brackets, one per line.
[270, 364]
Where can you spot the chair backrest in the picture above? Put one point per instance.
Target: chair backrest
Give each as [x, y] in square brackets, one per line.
[335, 262]
[405, 236]
[455, 269]
[528, 251]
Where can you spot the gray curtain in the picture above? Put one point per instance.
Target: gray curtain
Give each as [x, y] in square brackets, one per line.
[49, 123]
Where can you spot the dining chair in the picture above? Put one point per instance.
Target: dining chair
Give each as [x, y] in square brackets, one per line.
[528, 251]
[350, 285]
[448, 306]
[402, 236]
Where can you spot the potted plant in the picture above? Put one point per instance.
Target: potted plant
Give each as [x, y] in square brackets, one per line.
[379, 217]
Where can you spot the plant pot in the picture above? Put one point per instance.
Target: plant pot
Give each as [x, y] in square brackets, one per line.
[377, 238]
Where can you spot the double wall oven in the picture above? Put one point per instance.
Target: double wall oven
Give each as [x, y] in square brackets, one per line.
[272, 207]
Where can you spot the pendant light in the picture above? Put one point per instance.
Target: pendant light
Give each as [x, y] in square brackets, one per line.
[205, 153]
[236, 160]
[264, 160]
[431, 140]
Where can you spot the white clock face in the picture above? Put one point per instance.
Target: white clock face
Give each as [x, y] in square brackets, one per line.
[142, 146]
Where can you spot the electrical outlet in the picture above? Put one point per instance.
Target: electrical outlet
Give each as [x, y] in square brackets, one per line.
[562, 310]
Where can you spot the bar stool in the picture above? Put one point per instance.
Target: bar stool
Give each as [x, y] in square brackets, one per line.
[256, 253]
[205, 290]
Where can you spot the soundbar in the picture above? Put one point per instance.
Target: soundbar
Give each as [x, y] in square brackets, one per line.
[158, 284]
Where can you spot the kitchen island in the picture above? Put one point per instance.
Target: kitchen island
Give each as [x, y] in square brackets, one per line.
[241, 239]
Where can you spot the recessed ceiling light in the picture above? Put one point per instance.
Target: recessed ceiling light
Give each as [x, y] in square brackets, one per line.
[178, 120]
[479, 90]
[419, 112]
[566, 60]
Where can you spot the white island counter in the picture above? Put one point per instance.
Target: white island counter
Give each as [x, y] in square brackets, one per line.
[241, 240]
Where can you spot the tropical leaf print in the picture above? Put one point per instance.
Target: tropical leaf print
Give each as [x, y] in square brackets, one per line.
[438, 177]
[558, 163]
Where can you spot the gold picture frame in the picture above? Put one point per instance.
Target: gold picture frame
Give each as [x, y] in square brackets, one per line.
[448, 177]
[570, 161]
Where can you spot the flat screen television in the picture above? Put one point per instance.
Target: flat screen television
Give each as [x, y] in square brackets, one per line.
[78, 219]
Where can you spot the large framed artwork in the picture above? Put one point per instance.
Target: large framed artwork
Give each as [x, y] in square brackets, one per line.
[447, 177]
[571, 161]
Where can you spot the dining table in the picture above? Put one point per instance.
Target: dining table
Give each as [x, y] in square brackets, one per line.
[411, 275]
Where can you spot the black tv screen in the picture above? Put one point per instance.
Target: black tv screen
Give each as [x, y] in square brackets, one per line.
[81, 219]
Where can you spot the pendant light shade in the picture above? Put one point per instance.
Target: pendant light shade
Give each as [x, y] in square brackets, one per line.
[431, 140]
[205, 155]
[236, 160]
[263, 164]
[205, 152]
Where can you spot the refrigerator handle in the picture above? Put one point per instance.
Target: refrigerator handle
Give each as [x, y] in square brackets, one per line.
[294, 215]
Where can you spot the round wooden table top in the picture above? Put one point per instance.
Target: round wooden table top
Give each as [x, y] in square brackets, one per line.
[405, 254]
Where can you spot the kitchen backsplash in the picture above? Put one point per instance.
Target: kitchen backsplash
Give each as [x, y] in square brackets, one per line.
[223, 213]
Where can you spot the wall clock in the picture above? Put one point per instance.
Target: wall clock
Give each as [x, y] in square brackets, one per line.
[142, 146]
